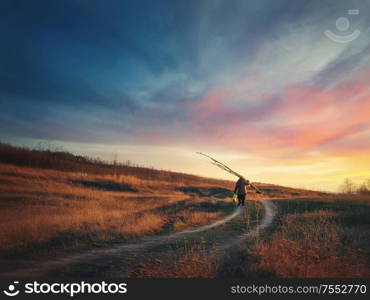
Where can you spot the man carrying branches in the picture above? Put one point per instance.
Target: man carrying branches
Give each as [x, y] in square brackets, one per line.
[241, 184]
[241, 189]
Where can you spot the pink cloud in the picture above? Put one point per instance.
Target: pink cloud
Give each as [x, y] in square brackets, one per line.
[300, 119]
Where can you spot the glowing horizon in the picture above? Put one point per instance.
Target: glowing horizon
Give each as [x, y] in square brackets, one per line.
[258, 169]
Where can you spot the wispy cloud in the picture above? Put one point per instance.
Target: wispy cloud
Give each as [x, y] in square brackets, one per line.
[258, 79]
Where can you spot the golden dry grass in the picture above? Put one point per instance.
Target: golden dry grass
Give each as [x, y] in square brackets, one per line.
[194, 263]
[309, 245]
[56, 209]
[37, 206]
[186, 218]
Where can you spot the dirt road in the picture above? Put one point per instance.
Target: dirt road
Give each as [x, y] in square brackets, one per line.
[109, 262]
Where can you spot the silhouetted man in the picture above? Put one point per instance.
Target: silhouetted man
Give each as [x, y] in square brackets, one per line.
[241, 189]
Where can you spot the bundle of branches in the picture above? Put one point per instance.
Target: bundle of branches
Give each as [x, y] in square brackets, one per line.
[226, 168]
[221, 165]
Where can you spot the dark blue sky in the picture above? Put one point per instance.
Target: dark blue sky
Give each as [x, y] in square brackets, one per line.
[100, 63]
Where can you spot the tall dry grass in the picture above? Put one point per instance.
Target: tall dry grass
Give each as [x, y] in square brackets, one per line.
[54, 207]
[194, 263]
[52, 158]
[186, 218]
[309, 245]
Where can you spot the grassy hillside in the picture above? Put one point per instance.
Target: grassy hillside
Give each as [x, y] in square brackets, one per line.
[64, 161]
[55, 203]
[65, 209]
[62, 201]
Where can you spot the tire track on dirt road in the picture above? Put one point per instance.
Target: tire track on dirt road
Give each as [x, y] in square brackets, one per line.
[270, 212]
[42, 268]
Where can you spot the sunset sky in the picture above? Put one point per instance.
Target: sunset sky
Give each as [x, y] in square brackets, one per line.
[256, 84]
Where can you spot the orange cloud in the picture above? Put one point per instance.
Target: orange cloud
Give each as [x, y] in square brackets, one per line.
[302, 118]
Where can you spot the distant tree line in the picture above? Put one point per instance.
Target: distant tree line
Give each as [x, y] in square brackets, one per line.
[65, 161]
[349, 187]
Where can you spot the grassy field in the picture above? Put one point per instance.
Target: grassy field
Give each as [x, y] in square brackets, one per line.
[323, 237]
[62, 210]
[313, 238]
[47, 211]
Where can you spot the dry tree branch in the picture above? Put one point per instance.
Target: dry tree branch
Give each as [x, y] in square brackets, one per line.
[221, 165]
[226, 168]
